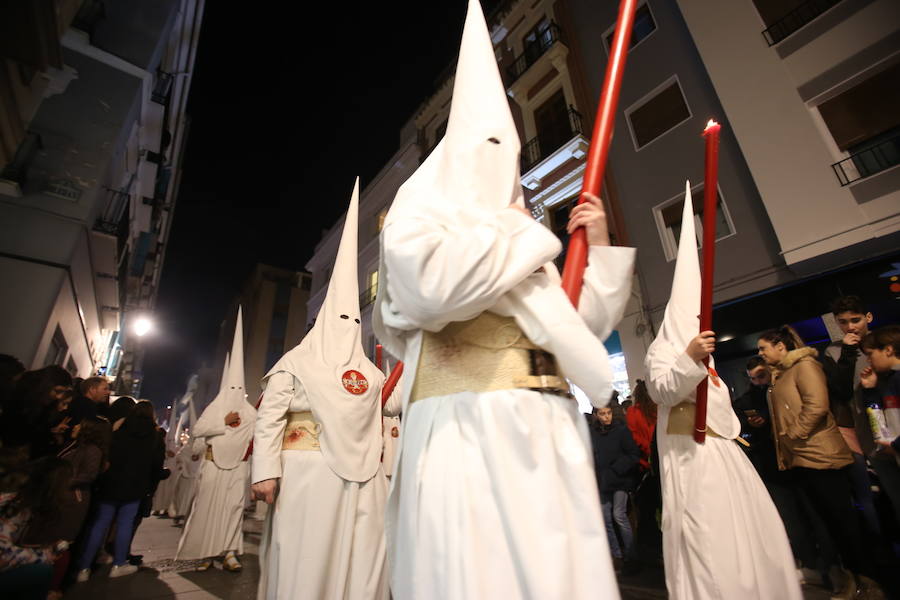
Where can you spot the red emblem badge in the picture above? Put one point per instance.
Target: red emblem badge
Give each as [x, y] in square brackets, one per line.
[354, 382]
[714, 376]
[395, 432]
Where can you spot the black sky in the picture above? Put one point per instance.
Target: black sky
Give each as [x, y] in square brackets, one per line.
[287, 106]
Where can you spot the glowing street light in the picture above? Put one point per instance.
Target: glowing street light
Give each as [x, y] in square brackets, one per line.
[142, 326]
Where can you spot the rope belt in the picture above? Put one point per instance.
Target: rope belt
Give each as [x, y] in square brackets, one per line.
[301, 432]
[487, 353]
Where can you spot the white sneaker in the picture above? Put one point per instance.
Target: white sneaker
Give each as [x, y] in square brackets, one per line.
[83, 575]
[122, 570]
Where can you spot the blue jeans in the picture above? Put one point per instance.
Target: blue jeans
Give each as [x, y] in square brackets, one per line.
[124, 513]
[615, 515]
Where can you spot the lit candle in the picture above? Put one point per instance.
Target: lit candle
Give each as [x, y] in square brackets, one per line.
[710, 205]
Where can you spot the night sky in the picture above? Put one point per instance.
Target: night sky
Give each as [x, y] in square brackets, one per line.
[287, 106]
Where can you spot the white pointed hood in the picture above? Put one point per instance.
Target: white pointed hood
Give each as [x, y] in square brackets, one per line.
[342, 384]
[681, 323]
[230, 448]
[474, 171]
[185, 408]
[471, 175]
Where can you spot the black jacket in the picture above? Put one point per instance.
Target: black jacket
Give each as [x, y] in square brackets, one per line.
[616, 458]
[761, 451]
[136, 457]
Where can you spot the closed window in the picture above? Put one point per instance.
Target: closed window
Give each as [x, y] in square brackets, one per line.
[656, 114]
[668, 220]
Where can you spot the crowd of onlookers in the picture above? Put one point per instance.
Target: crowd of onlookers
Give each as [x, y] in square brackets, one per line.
[821, 431]
[77, 474]
[76, 477]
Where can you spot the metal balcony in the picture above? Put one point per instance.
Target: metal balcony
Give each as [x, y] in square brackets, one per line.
[869, 161]
[797, 18]
[533, 51]
[550, 139]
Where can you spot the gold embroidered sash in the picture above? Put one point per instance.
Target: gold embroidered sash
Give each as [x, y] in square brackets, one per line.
[301, 432]
[483, 354]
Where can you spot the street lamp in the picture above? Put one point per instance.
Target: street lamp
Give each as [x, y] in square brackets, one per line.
[142, 326]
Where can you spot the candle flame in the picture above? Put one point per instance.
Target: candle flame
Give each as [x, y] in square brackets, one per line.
[709, 124]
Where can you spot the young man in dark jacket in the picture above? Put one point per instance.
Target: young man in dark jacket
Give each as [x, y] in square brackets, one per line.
[843, 362]
[616, 459]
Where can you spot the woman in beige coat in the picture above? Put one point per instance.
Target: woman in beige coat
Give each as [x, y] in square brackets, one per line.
[808, 443]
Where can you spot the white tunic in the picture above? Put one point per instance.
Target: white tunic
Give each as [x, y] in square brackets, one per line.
[324, 536]
[216, 520]
[722, 536]
[494, 494]
[165, 492]
[188, 471]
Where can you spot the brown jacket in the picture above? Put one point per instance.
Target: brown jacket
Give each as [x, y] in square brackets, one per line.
[805, 432]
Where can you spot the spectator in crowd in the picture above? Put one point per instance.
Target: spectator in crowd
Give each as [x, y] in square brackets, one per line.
[93, 400]
[34, 414]
[752, 409]
[135, 461]
[882, 348]
[641, 420]
[119, 410]
[843, 362]
[616, 459]
[808, 443]
[29, 497]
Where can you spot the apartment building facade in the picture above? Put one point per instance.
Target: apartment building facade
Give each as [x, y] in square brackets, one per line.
[93, 129]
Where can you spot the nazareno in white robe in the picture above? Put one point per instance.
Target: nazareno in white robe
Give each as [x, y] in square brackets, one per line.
[722, 536]
[188, 474]
[324, 536]
[494, 494]
[215, 524]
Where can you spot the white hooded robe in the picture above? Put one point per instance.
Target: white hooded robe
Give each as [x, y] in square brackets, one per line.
[722, 536]
[324, 536]
[215, 525]
[493, 494]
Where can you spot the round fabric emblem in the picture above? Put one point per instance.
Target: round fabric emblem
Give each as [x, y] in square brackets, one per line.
[395, 432]
[354, 382]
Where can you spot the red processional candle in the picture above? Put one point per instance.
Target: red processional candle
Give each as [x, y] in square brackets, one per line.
[378, 354]
[576, 256]
[710, 206]
[391, 382]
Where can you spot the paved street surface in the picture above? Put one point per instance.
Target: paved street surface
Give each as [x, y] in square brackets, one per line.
[161, 577]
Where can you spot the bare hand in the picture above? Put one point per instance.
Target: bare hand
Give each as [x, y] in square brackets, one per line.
[169, 453]
[868, 378]
[61, 427]
[233, 419]
[756, 421]
[701, 346]
[592, 216]
[195, 457]
[265, 490]
[519, 208]
[78, 495]
[850, 339]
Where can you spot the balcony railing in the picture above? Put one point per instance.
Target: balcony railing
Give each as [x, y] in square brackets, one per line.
[550, 139]
[113, 220]
[533, 51]
[797, 18]
[869, 161]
